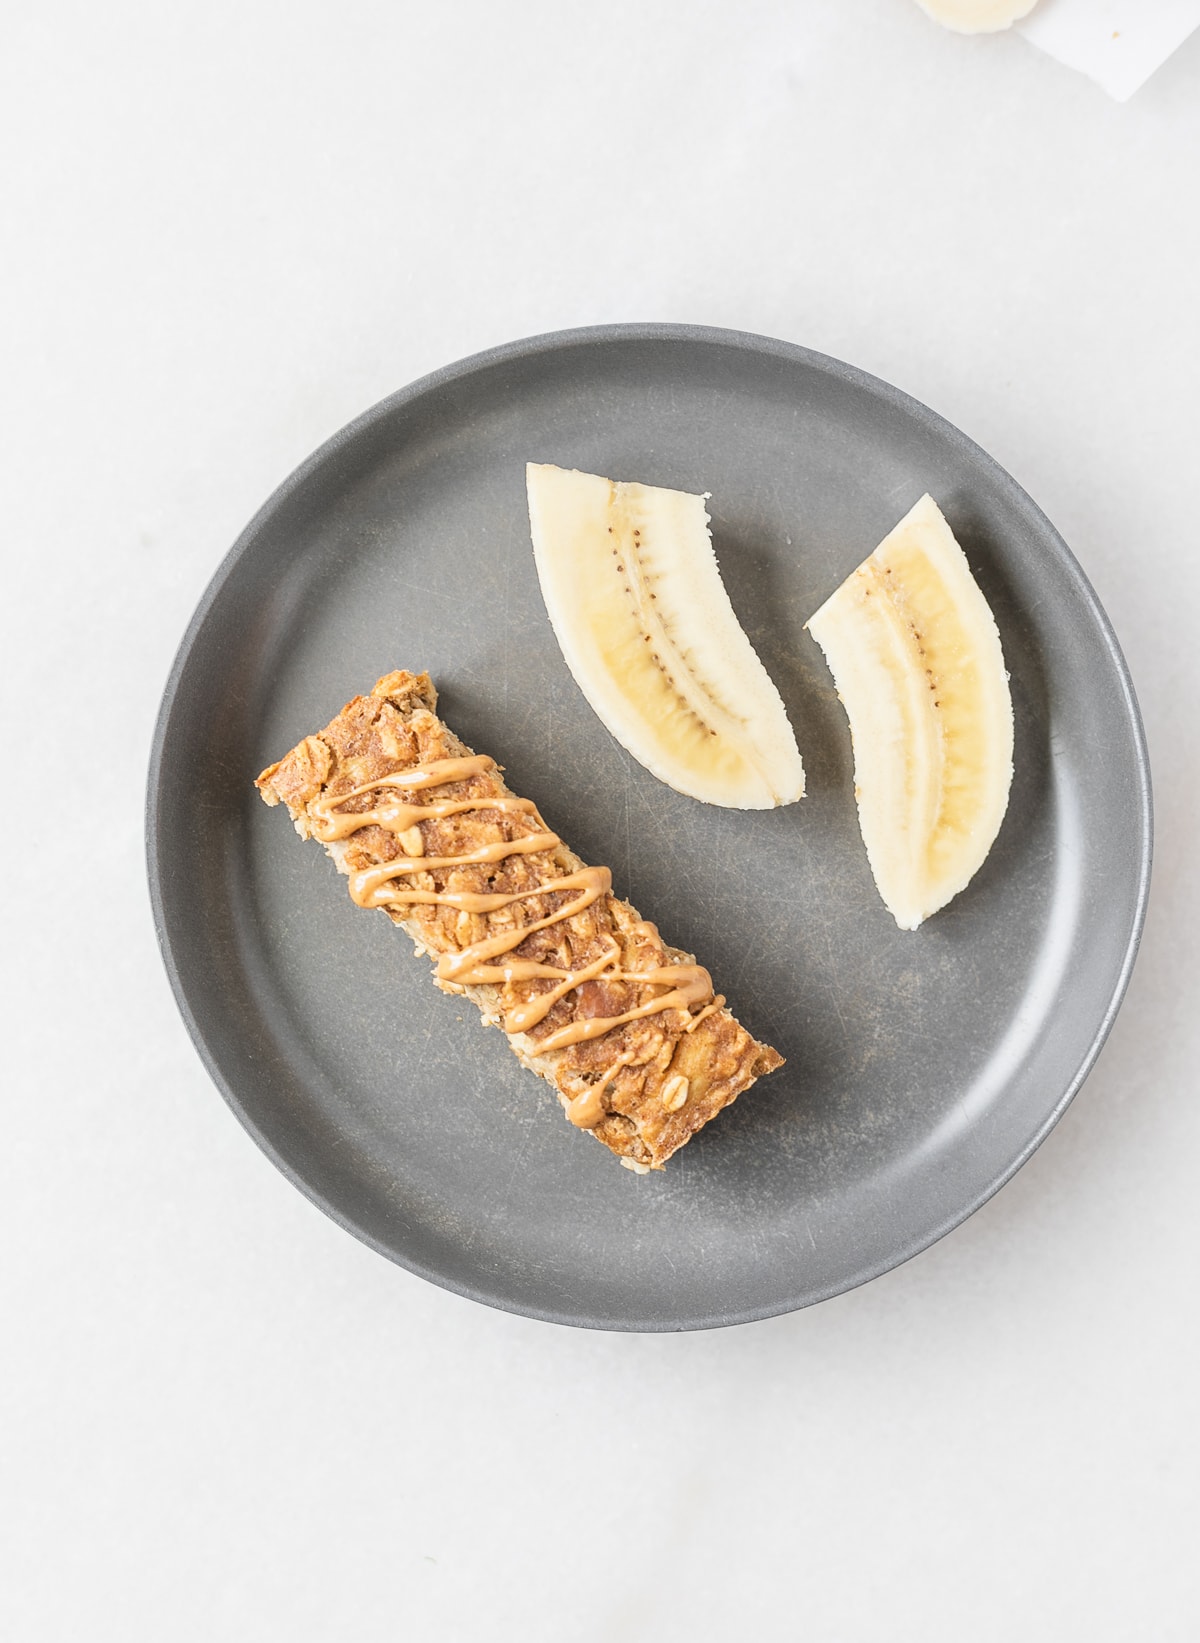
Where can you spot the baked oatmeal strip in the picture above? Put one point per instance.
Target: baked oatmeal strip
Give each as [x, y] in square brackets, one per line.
[625, 1028]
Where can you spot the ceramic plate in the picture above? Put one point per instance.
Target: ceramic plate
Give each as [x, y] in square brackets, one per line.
[922, 1068]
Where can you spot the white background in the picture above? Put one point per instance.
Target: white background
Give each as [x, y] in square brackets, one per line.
[227, 229]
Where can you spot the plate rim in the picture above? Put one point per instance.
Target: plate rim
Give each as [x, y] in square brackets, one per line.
[530, 347]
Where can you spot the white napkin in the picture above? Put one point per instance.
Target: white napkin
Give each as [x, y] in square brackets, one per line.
[1117, 43]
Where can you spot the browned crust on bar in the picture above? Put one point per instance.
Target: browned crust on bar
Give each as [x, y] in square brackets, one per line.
[396, 728]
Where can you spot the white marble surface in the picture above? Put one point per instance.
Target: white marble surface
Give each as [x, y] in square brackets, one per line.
[228, 229]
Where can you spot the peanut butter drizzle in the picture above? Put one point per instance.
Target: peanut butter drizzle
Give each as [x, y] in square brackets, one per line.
[709, 1009]
[687, 984]
[587, 1109]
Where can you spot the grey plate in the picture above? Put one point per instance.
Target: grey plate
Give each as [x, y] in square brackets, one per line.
[922, 1068]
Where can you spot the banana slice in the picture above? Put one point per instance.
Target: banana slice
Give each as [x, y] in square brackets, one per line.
[916, 658]
[636, 601]
[977, 16]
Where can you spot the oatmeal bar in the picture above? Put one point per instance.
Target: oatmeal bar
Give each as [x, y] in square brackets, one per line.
[627, 1029]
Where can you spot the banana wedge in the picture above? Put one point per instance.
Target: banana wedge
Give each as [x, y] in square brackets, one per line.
[977, 16]
[637, 604]
[915, 655]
